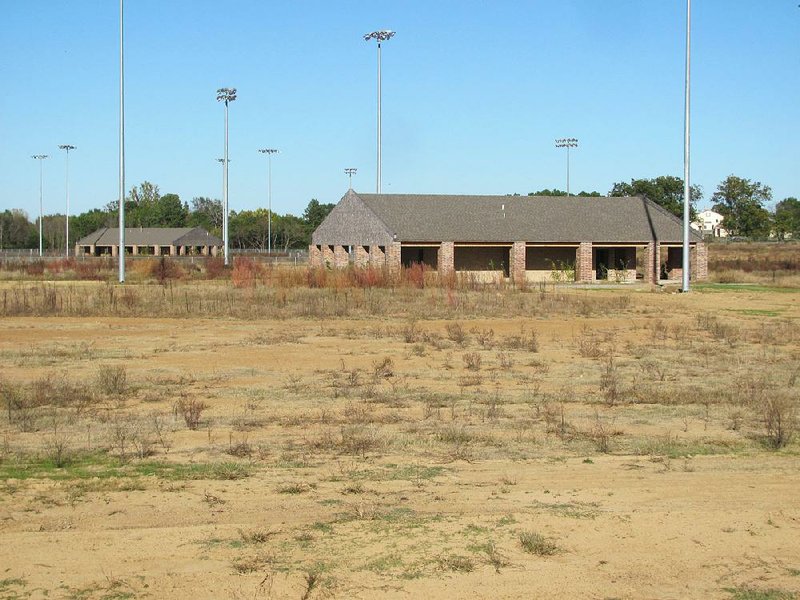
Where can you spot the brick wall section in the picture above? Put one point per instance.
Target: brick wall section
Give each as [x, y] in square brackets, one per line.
[651, 262]
[699, 266]
[377, 258]
[361, 256]
[446, 260]
[314, 256]
[340, 257]
[327, 256]
[583, 262]
[517, 259]
[393, 257]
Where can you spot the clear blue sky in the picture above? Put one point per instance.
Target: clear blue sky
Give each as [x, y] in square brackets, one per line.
[474, 93]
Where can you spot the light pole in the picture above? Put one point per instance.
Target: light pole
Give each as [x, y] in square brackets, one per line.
[269, 152]
[67, 148]
[379, 36]
[567, 143]
[225, 95]
[350, 172]
[121, 251]
[686, 187]
[40, 158]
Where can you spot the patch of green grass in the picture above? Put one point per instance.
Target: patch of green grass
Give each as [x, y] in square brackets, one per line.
[747, 593]
[456, 563]
[392, 472]
[383, 564]
[323, 527]
[741, 287]
[758, 312]
[678, 448]
[536, 543]
[103, 466]
[13, 588]
[574, 510]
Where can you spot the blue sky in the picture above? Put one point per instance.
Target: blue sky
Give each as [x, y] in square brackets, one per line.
[474, 93]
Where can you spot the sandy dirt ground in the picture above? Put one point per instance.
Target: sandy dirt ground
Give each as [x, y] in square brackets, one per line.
[420, 478]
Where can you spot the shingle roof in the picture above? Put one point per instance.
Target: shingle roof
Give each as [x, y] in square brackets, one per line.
[431, 218]
[152, 236]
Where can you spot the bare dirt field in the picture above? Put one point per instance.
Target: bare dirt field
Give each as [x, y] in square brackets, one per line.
[199, 440]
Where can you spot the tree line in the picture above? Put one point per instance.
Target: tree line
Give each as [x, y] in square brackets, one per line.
[145, 206]
[743, 203]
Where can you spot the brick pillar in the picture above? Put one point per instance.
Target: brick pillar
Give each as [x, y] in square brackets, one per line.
[340, 257]
[92, 250]
[214, 250]
[651, 262]
[377, 258]
[114, 250]
[517, 260]
[173, 250]
[393, 257]
[314, 256]
[182, 250]
[362, 257]
[204, 251]
[446, 259]
[327, 256]
[699, 262]
[156, 250]
[135, 249]
[583, 262]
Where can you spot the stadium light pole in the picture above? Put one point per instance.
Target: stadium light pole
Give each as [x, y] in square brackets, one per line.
[40, 158]
[121, 251]
[687, 190]
[350, 171]
[67, 148]
[379, 36]
[567, 143]
[226, 95]
[269, 152]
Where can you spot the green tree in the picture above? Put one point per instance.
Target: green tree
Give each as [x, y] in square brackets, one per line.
[206, 213]
[741, 203]
[787, 217]
[557, 192]
[666, 191]
[315, 213]
[16, 231]
[85, 223]
[169, 211]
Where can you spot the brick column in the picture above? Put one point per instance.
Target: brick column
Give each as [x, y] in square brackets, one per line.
[651, 262]
[361, 256]
[699, 262]
[173, 250]
[92, 250]
[214, 250]
[393, 257]
[156, 250]
[327, 256]
[340, 257]
[583, 263]
[377, 258]
[314, 256]
[446, 258]
[135, 250]
[517, 260]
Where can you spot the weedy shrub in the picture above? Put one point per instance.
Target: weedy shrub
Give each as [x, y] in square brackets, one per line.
[247, 272]
[524, 341]
[214, 267]
[456, 333]
[191, 410]
[165, 269]
[779, 416]
[112, 380]
[456, 563]
[610, 382]
[536, 543]
[485, 337]
[383, 369]
[472, 361]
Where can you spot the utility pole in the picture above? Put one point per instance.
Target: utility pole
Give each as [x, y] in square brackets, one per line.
[350, 171]
[379, 36]
[567, 143]
[67, 148]
[40, 158]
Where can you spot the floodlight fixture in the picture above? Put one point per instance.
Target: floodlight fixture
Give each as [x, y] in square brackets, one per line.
[567, 143]
[40, 158]
[379, 36]
[350, 171]
[269, 152]
[67, 148]
[226, 95]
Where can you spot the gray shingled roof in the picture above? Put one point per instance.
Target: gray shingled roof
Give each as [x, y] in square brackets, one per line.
[152, 236]
[433, 218]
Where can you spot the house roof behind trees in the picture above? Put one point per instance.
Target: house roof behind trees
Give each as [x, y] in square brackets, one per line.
[152, 236]
[382, 218]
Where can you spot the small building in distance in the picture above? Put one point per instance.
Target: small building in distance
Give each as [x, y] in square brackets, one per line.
[153, 241]
[709, 223]
[526, 238]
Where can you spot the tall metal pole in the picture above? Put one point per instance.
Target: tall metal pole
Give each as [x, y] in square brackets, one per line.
[67, 148]
[121, 252]
[40, 158]
[226, 95]
[379, 36]
[379, 118]
[269, 152]
[350, 171]
[686, 186]
[567, 143]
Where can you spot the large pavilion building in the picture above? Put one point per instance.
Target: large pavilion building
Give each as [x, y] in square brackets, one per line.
[526, 238]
